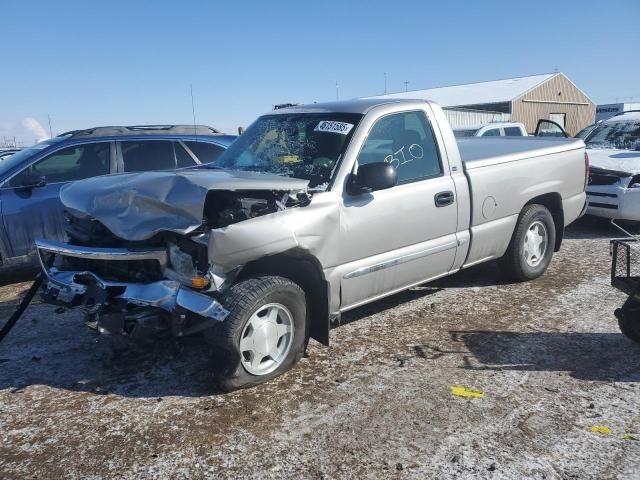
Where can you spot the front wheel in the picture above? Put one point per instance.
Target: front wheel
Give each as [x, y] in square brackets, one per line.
[531, 247]
[264, 334]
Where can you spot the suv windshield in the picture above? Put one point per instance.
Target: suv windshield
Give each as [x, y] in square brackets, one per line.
[623, 135]
[300, 145]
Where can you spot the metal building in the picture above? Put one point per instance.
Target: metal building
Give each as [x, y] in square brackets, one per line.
[608, 110]
[524, 99]
[467, 118]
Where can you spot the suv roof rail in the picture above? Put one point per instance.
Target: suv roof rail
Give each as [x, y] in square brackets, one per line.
[142, 130]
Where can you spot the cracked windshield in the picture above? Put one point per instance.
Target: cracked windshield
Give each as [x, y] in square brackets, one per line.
[303, 146]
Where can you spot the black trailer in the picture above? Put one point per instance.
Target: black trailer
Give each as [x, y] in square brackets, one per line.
[625, 276]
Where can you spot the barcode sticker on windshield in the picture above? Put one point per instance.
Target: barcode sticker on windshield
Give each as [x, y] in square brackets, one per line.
[334, 127]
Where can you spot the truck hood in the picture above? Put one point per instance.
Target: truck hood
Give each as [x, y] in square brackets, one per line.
[617, 160]
[137, 206]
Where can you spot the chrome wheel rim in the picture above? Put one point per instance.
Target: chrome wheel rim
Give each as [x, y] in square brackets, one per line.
[266, 339]
[535, 243]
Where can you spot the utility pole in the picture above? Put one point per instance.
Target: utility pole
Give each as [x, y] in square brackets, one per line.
[406, 85]
[193, 109]
[50, 129]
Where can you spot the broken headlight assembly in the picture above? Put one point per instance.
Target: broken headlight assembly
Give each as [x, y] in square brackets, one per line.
[182, 269]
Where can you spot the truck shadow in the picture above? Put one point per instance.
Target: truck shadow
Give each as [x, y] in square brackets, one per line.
[57, 350]
[609, 357]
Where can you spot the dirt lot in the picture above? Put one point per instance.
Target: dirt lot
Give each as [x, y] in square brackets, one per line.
[547, 355]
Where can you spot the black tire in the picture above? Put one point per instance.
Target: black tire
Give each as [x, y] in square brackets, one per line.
[513, 264]
[243, 300]
[629, 317]
[630, 326]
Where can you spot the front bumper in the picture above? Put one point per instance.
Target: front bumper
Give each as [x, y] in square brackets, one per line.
[83, 288]
[614, 201]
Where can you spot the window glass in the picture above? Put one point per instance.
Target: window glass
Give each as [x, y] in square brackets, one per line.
[297, 145]
[494, 132]
[145, 155]
[513, 131]
[624, 134]
[183, 159]
[75, 163]
[547, 129]
[406, 141]
[206, 152]
[465, 133]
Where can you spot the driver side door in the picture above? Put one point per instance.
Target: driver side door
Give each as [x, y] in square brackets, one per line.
[394, 238]
[31, 212]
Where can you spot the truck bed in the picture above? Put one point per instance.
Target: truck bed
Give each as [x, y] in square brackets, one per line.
[478, 152]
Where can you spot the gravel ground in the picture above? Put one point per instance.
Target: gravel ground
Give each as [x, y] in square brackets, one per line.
[546, 355]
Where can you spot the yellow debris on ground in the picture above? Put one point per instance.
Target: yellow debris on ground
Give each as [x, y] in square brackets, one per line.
[601, 429]
[628, 436]
[465, 392]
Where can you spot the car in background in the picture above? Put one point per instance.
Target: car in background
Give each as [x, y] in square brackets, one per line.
[584, 133]
[7, 152]
[30, 180]
[613, 147]
[502, 129]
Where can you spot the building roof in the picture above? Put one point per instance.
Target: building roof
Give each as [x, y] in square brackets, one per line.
[494, 91]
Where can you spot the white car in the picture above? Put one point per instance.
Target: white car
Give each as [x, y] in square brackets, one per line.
[502, 129]
[614, 176]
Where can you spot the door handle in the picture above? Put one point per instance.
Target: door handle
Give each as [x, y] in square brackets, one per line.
[444, 198]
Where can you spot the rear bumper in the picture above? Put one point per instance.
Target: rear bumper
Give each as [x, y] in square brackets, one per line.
[88, 290]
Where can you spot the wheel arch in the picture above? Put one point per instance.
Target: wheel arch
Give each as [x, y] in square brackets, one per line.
[304, 269]
[553, 203]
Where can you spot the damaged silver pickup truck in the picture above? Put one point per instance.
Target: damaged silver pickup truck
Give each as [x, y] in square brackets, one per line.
[313, 211]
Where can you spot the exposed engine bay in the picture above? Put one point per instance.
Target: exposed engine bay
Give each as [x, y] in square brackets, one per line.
[180, 281]
[224, 208]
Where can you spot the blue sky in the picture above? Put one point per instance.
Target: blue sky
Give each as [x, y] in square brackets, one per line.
[116, 62]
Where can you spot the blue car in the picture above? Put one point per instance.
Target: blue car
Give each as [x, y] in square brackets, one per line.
[31, 179]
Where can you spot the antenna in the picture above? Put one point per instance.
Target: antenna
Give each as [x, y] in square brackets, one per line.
[193, 112]
[50, 129]
[406, 85]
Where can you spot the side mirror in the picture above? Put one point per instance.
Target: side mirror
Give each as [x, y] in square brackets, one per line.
[31, 180]
[372, 177]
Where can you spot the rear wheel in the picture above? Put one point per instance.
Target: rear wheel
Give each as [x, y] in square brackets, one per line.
[531, 248]
[264, 334]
